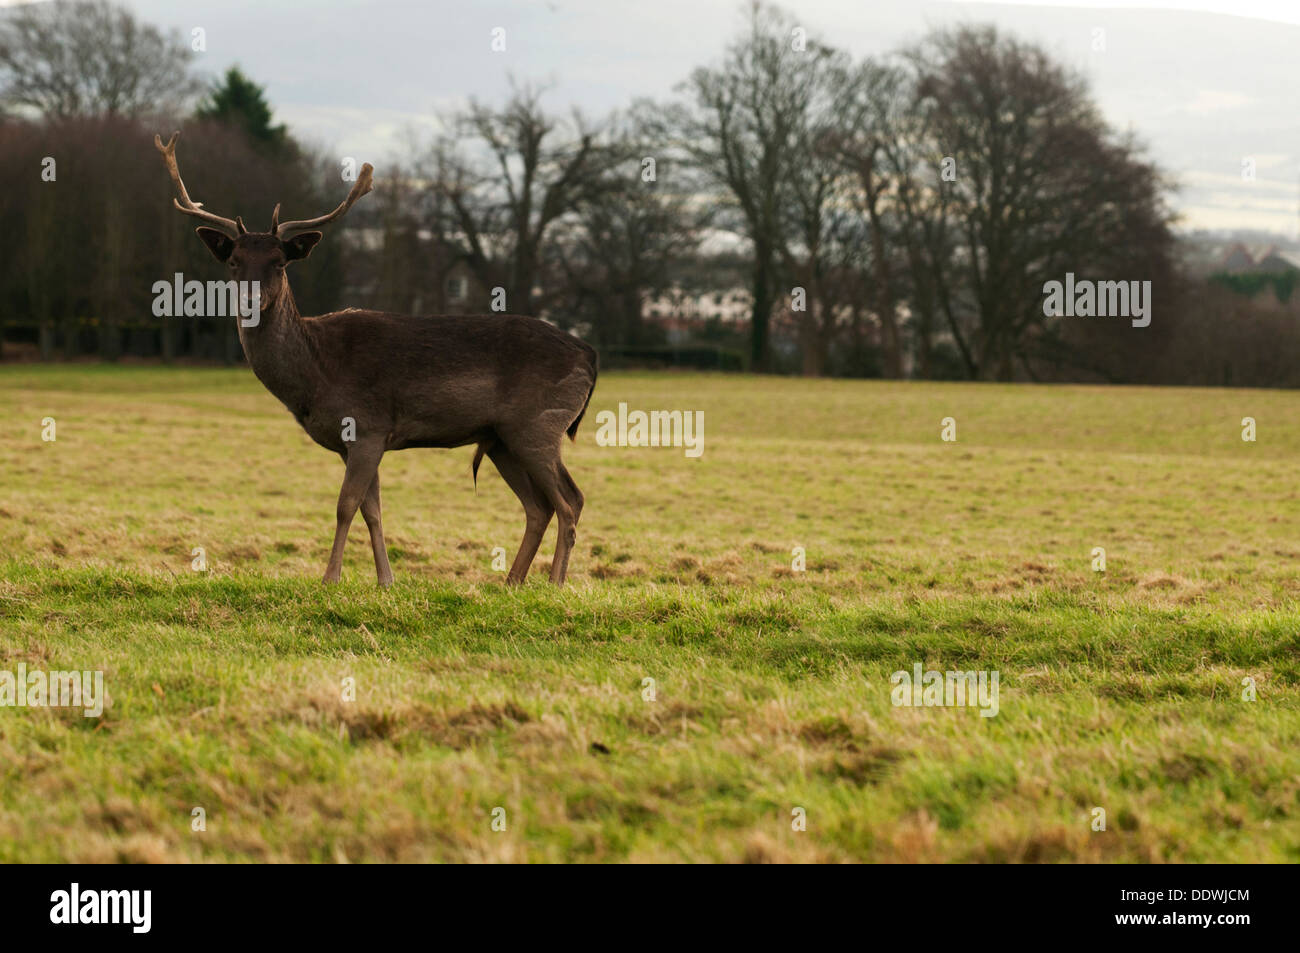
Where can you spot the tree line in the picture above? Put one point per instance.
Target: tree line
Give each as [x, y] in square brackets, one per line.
[886, 216]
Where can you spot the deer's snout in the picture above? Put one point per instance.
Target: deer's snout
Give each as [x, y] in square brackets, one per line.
[259, 291]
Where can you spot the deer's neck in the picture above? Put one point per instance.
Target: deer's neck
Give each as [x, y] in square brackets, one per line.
[281, 354]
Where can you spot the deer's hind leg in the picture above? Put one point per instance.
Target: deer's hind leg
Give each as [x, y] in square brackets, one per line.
[568, 535]
[553, 483]
[537, 446]
[537, 509]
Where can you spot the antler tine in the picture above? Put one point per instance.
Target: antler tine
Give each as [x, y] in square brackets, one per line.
[359, 188]
[232, 228]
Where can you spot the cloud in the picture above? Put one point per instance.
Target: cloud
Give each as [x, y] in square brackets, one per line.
[365, 133]
[1215, 100]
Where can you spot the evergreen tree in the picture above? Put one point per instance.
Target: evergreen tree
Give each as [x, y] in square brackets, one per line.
[240, 102]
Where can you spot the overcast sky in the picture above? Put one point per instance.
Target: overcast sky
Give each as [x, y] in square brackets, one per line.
[1203, 89]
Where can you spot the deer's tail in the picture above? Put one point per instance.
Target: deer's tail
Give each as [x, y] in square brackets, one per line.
[479, 451]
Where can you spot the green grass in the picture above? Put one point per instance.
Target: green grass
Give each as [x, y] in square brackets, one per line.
[1120, 690]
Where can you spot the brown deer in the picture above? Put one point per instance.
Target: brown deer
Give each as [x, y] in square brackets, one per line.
[512, 385]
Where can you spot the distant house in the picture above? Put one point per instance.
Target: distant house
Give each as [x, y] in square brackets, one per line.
[1237, 259]
[729, 306]
[1278, 262]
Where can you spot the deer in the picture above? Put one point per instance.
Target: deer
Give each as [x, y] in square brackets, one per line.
[514, 386]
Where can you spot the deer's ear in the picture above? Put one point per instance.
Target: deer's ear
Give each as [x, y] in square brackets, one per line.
[300, 246]
[219, 243]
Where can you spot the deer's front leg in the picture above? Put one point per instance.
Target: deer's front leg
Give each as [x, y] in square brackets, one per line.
[362, 468]
[371, 512]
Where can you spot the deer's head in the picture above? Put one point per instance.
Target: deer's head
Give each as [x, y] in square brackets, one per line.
[257, 256]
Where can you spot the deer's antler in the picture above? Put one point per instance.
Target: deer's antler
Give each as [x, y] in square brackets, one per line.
[232, 227]
[359, 188]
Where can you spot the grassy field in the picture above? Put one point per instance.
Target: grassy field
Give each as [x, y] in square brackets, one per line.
[1119, 690]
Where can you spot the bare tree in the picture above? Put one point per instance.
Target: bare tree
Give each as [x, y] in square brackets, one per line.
[642, 219]
[69, 58]
[867, 140]
[505, 177]
[739, 127]
[1039, 187]
[821, 241]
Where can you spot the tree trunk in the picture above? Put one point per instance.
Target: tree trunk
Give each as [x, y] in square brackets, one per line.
[924, 344]
[893, 350]
[811, 364]
[71, 337]
[1006, 372]
[167, 335]
[229, 338]
[45, 339]
[110, 338]
[760, 346]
